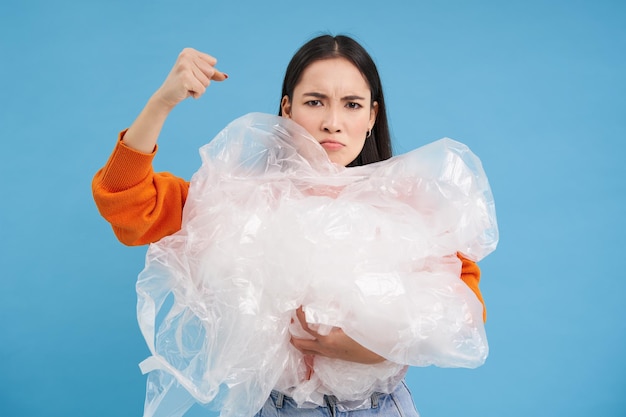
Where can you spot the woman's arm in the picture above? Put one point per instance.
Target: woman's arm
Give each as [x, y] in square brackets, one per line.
[335, 345]
[191, 75]
[340, 346]
[143, 206]
[470, 274]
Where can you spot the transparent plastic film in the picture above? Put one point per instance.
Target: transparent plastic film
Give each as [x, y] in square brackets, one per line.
[269, 225]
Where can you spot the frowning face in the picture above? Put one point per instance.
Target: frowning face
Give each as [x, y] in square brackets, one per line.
[332, 101]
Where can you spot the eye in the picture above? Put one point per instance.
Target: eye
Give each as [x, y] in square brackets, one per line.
[313, 103]
[353, 105]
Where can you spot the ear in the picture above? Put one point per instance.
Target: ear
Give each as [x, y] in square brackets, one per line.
[285, 107]
[373, 114]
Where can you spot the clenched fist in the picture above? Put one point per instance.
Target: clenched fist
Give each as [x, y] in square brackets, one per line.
[191, 75]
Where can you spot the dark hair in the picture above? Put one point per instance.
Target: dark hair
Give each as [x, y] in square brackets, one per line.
[378, 146]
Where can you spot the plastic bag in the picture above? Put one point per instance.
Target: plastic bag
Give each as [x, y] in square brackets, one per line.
[270, 224]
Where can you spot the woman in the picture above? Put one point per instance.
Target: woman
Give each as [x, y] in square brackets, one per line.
[332, 89]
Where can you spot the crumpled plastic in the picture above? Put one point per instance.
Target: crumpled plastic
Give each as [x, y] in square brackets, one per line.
[270, 224]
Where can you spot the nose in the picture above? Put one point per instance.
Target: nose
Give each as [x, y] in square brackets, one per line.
[331, 122]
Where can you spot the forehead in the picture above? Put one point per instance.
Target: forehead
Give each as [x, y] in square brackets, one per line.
[333, 74]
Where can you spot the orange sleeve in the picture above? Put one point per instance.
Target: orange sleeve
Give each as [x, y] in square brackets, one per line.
[470, 274]
[141, 205]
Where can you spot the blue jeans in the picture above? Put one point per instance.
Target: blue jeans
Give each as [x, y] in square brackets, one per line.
[397, 404]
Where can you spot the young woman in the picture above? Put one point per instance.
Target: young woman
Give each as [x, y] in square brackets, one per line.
[333, 90]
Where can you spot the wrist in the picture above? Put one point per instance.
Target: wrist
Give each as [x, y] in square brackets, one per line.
[158, 104]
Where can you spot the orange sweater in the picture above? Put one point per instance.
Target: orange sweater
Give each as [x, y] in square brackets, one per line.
[143, 206]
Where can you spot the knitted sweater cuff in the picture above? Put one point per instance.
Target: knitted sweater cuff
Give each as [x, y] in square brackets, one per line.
[126, 167]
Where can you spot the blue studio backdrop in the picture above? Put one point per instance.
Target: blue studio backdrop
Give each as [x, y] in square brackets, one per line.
[537, 89]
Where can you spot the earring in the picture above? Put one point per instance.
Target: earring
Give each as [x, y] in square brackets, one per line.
[369, 133]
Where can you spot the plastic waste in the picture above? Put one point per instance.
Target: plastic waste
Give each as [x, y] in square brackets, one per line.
[270, 224]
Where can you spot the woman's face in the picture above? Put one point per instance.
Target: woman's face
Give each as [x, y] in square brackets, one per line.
[333, 103]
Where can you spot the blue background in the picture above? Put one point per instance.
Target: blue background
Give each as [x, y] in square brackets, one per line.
[536, 88]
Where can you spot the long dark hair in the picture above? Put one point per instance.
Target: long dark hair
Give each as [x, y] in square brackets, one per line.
[377, 146]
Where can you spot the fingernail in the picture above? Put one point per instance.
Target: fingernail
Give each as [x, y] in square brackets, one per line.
[225, 75]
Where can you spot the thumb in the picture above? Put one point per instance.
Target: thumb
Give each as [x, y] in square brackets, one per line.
[219, 75]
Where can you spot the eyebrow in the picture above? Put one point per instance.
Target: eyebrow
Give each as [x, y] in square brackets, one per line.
[345, 98]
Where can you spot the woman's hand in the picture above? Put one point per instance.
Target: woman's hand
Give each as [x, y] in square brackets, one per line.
[334, 345]
[191, 75]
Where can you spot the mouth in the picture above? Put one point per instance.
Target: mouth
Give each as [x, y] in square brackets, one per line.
[331, 145]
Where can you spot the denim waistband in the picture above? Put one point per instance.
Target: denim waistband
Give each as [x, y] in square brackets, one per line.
[332, 402]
